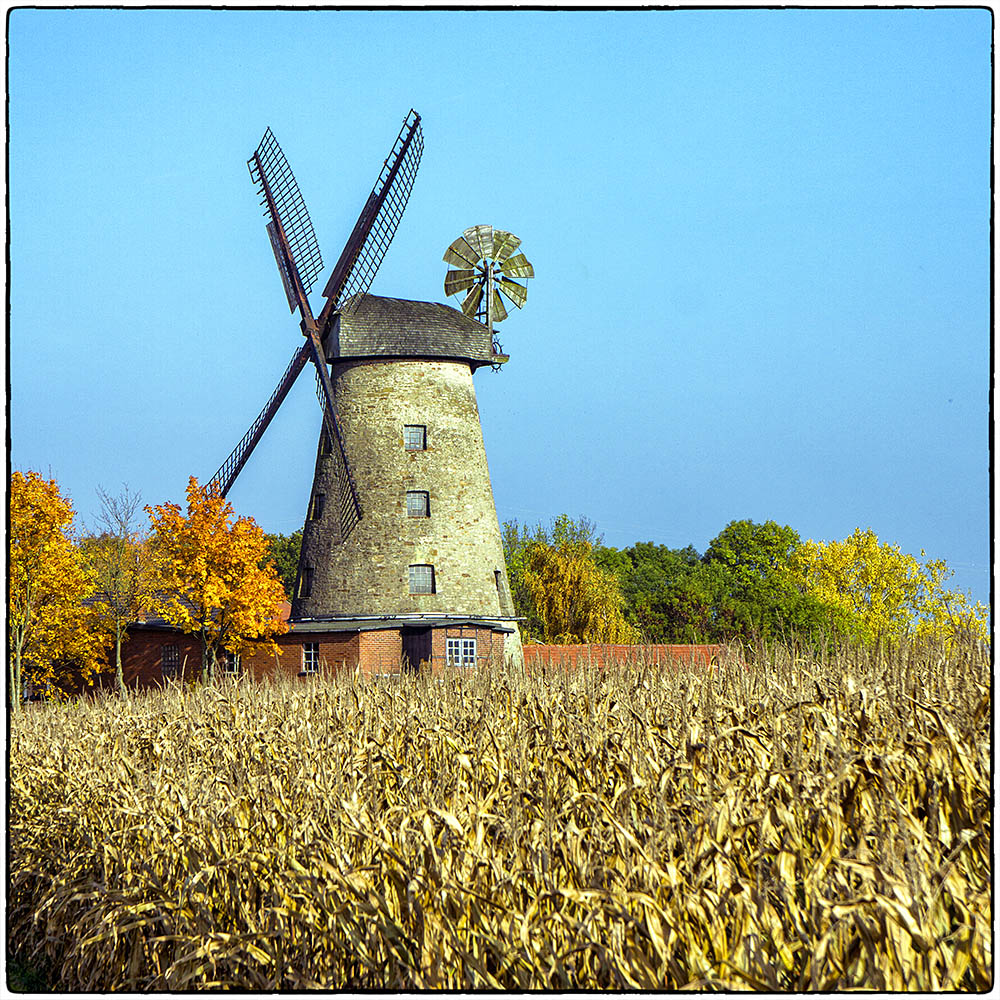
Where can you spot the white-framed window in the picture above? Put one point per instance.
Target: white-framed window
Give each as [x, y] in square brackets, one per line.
[316, 507]
[460, 652]
[421, 579]
[415, 437]
[230, 663]
[310, 657]
[170, 660]
[418, 503]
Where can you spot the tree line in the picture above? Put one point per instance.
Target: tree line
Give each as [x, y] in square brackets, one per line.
[73, 593]
[753, 582]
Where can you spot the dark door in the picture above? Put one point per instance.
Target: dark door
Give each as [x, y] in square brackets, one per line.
[416, 648]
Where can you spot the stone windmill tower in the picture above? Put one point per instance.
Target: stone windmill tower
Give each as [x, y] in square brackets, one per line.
[401, 557]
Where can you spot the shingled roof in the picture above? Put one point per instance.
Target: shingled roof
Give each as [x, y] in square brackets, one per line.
[381, 327]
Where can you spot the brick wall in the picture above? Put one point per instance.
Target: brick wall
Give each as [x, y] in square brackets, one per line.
[142, 658]
[602, 654]
[489, 644]
[381, 651]
[337, 651]
[375, 651]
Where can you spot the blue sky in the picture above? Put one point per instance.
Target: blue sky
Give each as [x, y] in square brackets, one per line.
[760, 238]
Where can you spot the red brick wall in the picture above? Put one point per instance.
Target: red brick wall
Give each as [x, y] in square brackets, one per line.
[337, 651]
[376, 651]
[601, 654]
[489, 644]
[380, 651]
[142, 657]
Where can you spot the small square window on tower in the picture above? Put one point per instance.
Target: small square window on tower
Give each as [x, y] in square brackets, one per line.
[421, 579]
[418, 503]
[316, 507]
[415, 437]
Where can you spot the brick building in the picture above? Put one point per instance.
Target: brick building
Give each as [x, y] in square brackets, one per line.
[156, 651]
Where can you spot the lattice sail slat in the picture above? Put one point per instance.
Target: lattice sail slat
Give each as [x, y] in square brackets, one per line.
[269, 164]
[376, 226]
[230, 468]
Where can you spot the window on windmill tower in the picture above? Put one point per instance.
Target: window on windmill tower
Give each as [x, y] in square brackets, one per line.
[306, 582]
[325, 444]
[421, 579]
[316, 507]
[418, 503]
[415, 437]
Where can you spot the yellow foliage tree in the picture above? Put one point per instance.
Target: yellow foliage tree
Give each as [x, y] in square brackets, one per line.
[52, 641]
[888, 593]
[212, 582]
[122, 568]
[573, 598]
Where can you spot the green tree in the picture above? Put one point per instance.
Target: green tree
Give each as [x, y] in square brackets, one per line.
[664, 598]
[516, 538]
[756, 591]
[558, 586]
[283, 552]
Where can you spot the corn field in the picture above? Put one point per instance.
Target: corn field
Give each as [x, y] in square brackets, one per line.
[810, 822]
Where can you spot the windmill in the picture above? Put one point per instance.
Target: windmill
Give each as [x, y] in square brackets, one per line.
[401, 556]
[297, 254]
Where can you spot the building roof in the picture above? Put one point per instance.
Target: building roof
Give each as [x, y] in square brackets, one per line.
[150, 620]
[375, 326]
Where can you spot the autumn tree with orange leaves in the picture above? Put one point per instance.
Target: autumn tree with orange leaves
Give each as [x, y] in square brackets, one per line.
[211, 582]
[53, 641]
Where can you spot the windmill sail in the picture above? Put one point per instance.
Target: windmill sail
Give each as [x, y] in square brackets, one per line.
[373, 232]
[297, 254]
[287, 216]
[231, 467]
[284, 266]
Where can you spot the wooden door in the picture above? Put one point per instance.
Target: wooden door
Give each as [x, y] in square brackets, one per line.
[416, 648]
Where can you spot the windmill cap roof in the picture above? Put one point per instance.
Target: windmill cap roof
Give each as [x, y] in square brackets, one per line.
[375, 326]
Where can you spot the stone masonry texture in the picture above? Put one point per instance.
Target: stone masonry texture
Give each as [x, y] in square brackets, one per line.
[368, 573]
